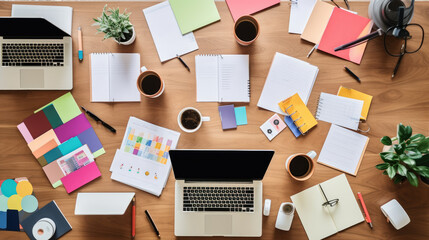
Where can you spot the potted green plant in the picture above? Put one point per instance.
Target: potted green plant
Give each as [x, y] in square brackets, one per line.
[116, 25]
[407, 158]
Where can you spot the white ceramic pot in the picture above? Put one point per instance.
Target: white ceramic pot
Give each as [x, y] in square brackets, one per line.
[130, 41]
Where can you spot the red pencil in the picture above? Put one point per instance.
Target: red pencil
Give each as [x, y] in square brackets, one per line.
[133, 230]
[367, 218]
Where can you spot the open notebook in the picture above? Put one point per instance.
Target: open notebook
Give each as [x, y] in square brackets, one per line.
[339, 110]
[287, 76]
[320, 222]
[114, 77]
[222, 78]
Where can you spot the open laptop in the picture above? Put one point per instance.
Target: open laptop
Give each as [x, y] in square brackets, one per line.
[219, 192]
[36, 55]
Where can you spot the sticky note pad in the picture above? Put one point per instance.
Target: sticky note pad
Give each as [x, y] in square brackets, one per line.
[52, 116]
[240, 115]
[25, 133]
[65, 106]
[37, 124]
[227, 117]
[89, 138]
[52, 155]
[80, 177]
[70, 145]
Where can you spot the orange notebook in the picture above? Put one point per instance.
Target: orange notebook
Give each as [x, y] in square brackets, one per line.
[295, 108]
[344, 27]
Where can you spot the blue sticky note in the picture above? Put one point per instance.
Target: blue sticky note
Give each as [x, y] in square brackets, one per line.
[292, 126]
[3, 220]
[240, 115]
[90, 138]
[70, 145]
[52, 155]
[227, 116]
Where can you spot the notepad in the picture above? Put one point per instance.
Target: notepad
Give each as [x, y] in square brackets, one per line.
[227, 117]
[351, 93]
[166, 34]
[317, 22]
[194, 14]
[320, 222]
[300, 11]
[298, 112]
[286, 77]
[114, 77]
[222, 78]
[339, 110]
[344, 27]
[240, 8]
[343, 150]
[60, 16]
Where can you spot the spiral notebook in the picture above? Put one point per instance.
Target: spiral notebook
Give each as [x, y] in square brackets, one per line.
[342, 111]
[222, 78]
[298, 115]
[114, 77]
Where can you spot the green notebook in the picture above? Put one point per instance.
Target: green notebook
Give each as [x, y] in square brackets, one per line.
[194, 14]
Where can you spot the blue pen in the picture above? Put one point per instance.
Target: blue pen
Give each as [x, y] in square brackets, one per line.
[79, 37]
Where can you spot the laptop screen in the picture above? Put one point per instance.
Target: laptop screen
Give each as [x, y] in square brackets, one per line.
[28, 28]
[220, 165]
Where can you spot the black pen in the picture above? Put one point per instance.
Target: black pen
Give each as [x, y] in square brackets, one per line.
[347, 4]
[399, 61]
[183, 62]
[152, 223]
[352, 74]
[335, 3]
[97, 119]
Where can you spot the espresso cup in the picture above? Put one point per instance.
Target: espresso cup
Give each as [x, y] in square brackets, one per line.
[300, 166]
[246, 30]
[150, 84]
[190, 119]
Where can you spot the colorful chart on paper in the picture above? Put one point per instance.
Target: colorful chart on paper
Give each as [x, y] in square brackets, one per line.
[149, 141]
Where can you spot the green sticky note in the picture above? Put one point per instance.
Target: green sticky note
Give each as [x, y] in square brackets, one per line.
[66, 107]
[99, 152]
[194, 14]
[52, 116]
[240, 115]
[57, 184]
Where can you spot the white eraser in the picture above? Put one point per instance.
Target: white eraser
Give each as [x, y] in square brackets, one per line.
[396, 214]
[267, 207]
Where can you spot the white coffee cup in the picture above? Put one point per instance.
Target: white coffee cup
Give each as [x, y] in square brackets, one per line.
[191, 130]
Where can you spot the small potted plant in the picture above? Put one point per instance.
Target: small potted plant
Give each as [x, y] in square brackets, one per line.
[116, 25]
[407, 157]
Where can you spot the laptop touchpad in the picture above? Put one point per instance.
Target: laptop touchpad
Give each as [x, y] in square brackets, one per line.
[218, 224]
[32, 78]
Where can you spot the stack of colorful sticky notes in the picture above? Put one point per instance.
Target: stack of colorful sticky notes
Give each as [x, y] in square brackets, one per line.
[17, 202]
[232, 117]
[56, 130]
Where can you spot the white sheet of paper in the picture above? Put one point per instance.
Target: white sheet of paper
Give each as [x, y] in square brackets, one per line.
[286, 77]
[60, 16]
[166, 34]
[300, 11]
[343, 149]
[99, 203]
[207, 75]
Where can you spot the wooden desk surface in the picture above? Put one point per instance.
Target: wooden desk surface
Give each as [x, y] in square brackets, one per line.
[402, 99]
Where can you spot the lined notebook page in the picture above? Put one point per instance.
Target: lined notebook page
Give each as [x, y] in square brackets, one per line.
[206, 71]
[114, 77]
[347, 212]
[339, 110]
[343, 149]
[234, 78]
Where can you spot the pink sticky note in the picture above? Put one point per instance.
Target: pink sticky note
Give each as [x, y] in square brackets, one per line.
[240, 8]
[80, 177]
[25, 133]
[72, 128]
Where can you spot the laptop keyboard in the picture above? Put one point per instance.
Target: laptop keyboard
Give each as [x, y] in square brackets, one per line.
[33, 54]
[223, 199]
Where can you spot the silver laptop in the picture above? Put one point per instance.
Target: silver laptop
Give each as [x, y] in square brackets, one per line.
[36, 55]
[219, 192]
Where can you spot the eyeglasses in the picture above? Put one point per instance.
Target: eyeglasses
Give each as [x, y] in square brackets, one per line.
[332, 202]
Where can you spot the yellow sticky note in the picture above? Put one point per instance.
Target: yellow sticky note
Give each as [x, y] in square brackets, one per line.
[351, 93]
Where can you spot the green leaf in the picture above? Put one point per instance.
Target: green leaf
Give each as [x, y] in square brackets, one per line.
[414, 154]
[408, 132]
[391, 171]
[417, 137]
[401, 132]
[386, 140]
[382, 166]
[399, 149]
[422, 170]
[384, 172]
[412, 178]
[423, 161]
[423, 146]
[402, 170]
[410, 162]
[398, 179]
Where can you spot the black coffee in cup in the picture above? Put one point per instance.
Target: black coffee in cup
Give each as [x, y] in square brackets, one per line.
[151, 84]
[246, 31]
[299, 166]
[190, 119]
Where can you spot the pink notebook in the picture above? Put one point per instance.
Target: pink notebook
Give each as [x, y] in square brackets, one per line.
[239, 8]
[80, 177]
[344, 27]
